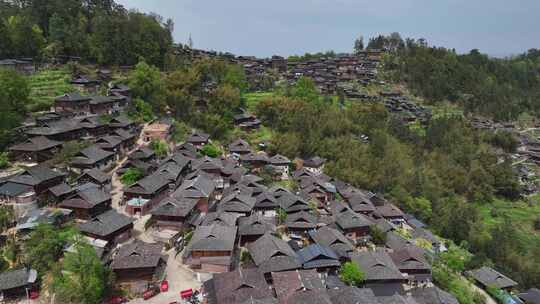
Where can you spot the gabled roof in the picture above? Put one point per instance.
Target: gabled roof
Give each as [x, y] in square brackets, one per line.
[175, 207]
[212, 238]
[14, 189]
[530, 296]
[11, 279]
[333, 239]
[149, 184]
[377, 265]
[352, 295]
[239, 146]
[272, 254]
[199, 187]
[410, 258]
[61, 189]
[137, 254]
[96, 175]
[91, 155]
[314, 162]
[302, 172]
[72, 97]
[433, 295]
[266, 200]
[206, 164]
[288, 283]
[237, 202]
[35, 144]
[86, 199]
[198, 137]
[106, 223]
[361, 203]
[279, 191]
[279, 160]
[350, 220]
[389, 211]
[301, 220]
[220, 218]
[35, 175]
[293, 203]
[488, 276]
[318, 256]
[255, 225]
[397, 299]
[396, 242]
[239, 286]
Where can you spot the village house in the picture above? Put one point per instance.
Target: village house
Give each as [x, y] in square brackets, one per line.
[172, 213]
[318, 257]
[92, 157]
[280, 165]
[266, 205]
[242, 286]
[138, 261]
[35, 149]
[58, 193]
[148, 187]
[73, 102]
[50, 216]
[355, 226]
[129, 138]
[382, 275]
[220, 218]
[112, 144]
[489, 277]
[291, 203]
[391, 213]
[144, 154]
[18, 283]
[411, 261]
[103, 104]
[239, 147]
[253, 227]
[60, 130]
[253, 160]
[334, 239]
[110, 226]
[96, 177]
[237, 202]
[199, 188]
[361, 204]
[156, 131]
[198, 139]
[530, 296]
[299, 223]
[93, 125]
[350, 294]
[299, 286]
[315, 165]
[432, 295]
[88, 202]
[211, 248]
[122, 122]
[272, 254]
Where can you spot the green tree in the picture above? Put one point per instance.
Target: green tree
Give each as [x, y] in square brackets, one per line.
[305, 89]
[45, 245]
[211, 150]
[160, 147]
[180, 132]
[7, 217]
[131, 176]
[146, 83]
[141, 111]
[378, 237]
[351, 274]
[14, 92]
[4, 160]
[82, 278]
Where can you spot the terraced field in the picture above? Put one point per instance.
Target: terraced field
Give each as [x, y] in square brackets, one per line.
[46, 85]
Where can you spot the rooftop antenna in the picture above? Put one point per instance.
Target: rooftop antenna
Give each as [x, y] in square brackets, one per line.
[190, 41]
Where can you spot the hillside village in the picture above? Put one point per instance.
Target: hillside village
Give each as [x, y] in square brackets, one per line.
[239, 226]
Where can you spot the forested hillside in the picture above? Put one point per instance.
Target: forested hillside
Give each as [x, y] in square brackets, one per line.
[503, 89]
[97, 31]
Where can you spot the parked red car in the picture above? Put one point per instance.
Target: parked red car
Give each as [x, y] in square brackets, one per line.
[184, 294]
[164, 287]
[33, 295]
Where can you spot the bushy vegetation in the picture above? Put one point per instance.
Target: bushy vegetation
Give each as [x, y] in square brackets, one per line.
[46, 85]
[14, 97]
[499, 88]
[131, 176]
[351, 274]
[98, 31]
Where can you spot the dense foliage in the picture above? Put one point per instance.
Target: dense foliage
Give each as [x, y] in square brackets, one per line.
[14, 93]
[443, 175]
[100, 31]
[500, 88]
[351, 274]
[131, 176]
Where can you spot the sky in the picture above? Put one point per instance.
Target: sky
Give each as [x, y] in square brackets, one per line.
[288, 27]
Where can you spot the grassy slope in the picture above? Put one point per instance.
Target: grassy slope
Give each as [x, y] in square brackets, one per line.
[46, 85]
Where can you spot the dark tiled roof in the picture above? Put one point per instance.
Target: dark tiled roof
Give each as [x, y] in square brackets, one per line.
[137, 254]
[361, 203]
[293, 203]
[287, 283]
[240, 286]
[389, 210]
[279, 160]
[488, 276]
[314, 162]
[350, 220]
[377, 265]
[236, 202]
[396, 242]
[150, 184]
[106, 223]
[220, 218]
[61, 189]
[73, 97]
[239, 146]
[266, 200]
[254, 225]
[175, 207]
[318, 256]
[433, 295]
[212, 238]
[96, 175]
[352, 295]
[302, 220]
[91, 155]
[38, 143]
[397, 299]
[531, 296]
[35, 175]
[198, 187]
[410, 258]
[87, 198]
[14, 189]
[198, 137]
[272, 254]
[17, 278]
[332, 238]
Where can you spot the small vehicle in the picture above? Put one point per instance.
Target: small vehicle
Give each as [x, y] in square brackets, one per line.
[150, 292]
[117, 300]
[33, 295]
[164, 286]
[185, 294]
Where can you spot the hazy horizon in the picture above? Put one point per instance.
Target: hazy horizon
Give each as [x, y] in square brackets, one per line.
[243, 27]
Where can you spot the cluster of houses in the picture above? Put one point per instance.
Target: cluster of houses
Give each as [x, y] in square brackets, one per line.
[329, 73]
[409, 111]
